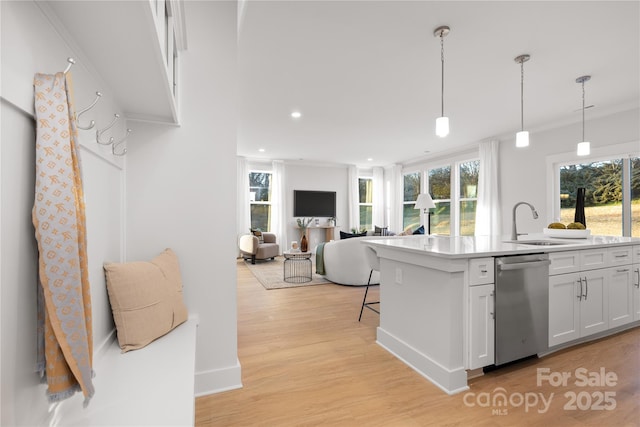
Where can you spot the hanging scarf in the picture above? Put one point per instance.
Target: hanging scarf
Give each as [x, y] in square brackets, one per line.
[65, 342]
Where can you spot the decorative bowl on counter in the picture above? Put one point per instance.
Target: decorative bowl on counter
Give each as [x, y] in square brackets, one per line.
[566, 233]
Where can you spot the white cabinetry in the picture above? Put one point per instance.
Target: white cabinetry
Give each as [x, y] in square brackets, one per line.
[134, 45]
[578, 299]
[620, 286]
[481, 313]
[636, 282]
[591, 291]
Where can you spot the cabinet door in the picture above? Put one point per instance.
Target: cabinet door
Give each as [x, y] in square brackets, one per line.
[564, 308]
[620, 295]
[481, 329]
[594, 307]
[636, 291]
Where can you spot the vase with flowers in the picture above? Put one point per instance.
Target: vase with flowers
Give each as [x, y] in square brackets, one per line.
[303, 224]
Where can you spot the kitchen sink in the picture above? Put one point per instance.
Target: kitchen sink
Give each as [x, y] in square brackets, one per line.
[538, 242]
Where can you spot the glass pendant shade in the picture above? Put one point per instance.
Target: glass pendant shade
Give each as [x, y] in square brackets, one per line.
[522, 139]
[442, 126]
[584, 148]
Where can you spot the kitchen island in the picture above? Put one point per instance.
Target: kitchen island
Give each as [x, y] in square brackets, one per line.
[437, 292]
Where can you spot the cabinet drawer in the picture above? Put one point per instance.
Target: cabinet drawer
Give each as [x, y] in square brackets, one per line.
[480, 271]
[620, 255]
[591, 259]
[636, 254]
[564, 262]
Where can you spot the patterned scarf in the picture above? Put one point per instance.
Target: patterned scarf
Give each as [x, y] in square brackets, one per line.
[65, 342]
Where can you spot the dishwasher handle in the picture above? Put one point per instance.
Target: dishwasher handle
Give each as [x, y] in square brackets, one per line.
[522, 265]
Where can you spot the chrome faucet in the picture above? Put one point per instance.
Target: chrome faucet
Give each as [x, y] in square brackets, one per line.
[514, 228]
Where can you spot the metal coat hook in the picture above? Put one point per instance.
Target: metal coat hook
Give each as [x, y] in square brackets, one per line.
[71, 62]
[100, 132]
[115, 144]
[92, 123]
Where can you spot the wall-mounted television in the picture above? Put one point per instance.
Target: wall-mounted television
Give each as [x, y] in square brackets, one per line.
[314, 203]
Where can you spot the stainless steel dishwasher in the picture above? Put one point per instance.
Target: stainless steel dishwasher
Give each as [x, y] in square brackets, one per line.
[522, 306]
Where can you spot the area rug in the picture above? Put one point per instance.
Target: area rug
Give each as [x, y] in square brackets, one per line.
[271, 274]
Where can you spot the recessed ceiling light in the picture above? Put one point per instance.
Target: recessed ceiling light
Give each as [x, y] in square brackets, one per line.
[296, 114]
[262, 150]
[369, 159]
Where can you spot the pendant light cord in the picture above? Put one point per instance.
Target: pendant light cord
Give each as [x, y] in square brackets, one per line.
[522, 95]
[583, 110]
[442, 71]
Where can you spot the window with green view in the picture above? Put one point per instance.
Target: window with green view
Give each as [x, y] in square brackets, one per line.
[468, 197]
[365, 189]
[612, 195]
[410, 215]
[440, 190]
[260, 200]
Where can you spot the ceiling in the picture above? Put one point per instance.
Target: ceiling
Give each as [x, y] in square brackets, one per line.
[366, 74]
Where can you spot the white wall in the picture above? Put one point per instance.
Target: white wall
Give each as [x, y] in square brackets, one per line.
[523, 171]
[30, 45]
[181, 190]
[318, 178]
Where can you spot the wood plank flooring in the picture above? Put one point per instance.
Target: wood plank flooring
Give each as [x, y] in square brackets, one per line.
[307, 361]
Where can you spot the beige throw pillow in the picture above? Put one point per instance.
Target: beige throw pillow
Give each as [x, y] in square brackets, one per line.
[146, 299]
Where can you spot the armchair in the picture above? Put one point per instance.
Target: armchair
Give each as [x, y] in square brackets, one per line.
[251, 247]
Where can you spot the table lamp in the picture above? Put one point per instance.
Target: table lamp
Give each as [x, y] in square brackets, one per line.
[425, 202]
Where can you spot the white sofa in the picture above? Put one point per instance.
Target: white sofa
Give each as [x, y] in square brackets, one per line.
[345, 262]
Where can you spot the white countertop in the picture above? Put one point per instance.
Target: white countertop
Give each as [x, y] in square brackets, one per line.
[481, 246]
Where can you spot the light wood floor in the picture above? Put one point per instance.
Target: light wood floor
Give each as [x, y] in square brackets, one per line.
[306, 360]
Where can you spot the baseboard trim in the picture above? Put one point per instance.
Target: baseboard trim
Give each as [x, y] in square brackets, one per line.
[218, 380]
[451, 381]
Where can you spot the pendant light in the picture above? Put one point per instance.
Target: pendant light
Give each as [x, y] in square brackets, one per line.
[442, 122]
[584, 147]
[522, 137]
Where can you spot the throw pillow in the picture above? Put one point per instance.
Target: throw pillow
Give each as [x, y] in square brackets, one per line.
[256, 232]
[419, 230]
[344, 235]
[146, 299]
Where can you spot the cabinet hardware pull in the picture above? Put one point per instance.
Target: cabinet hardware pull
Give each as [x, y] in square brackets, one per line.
[621, 256]
[580, 293]
[622, 270]
[483, 271]
[638, 277]
[586, 288]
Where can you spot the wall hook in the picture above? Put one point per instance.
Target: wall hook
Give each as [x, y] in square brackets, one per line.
[92, 123]
[71, 62]
[115, 144]
[100, 132]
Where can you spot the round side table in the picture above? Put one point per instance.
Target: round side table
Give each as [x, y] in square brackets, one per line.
[297, 267]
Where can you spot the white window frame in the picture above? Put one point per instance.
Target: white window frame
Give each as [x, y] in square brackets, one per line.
[454, 196]
[459, 198]
[260, 202]
[421, 176]
[622, 151]
[368, 178]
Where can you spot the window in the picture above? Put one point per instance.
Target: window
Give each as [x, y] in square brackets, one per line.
[612, 195]
[440, 190]
[260, 200]
[468, 197]
[410, 215]
[453, 188]
[365, 190]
